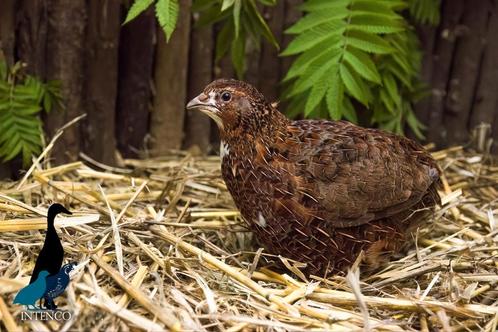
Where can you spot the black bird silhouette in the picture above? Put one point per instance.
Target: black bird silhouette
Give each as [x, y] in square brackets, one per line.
[52, 253]
[56, 284]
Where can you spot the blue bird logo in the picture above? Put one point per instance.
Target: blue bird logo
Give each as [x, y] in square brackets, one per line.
[48, 280]
[56, 285]
[33, 292]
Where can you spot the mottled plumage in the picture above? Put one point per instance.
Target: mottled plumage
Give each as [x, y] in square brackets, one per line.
[318, 191]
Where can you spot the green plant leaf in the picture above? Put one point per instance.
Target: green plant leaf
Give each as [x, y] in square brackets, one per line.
[375, 24]
[392, 89]
[223, 41]
[227, 4]
[314, 72]
[302, 62]
[237, 52]
[324, 5]
[137, 8]
[21, 101]
[335, 95]
[317, 93]
[3, 70]
[268, 2]
[202, 5]
[368, 42]
[167, 15]
[362, 64]
[236, 16]
[349, 111]
[316, 18]
[415, 125]
[314, 36]
[264, 28]
[354, 85]
[211, 16]
[364, 51]
[425, 11]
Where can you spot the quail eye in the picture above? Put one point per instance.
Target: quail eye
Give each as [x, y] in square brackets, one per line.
[226, 96]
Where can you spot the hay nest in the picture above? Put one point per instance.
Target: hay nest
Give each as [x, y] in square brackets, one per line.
[161, 246]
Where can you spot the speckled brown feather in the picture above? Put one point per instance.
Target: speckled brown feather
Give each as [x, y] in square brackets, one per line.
[321, 191]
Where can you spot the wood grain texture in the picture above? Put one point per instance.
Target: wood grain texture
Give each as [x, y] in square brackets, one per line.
[486, 99]
[197, 126]
[64, 62]
[270, 67]
[446, 36]
[101, 70]
[465, 69]
[7, 47]
[170, 76]
[136, 59]
[32, 21]
[7, 30]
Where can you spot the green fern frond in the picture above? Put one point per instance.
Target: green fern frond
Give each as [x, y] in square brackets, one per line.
[425, 11]
[166, 11]
[339, 41]
[355, 50]
[22, 98]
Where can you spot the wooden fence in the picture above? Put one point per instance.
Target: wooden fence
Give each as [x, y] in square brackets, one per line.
[134, 86]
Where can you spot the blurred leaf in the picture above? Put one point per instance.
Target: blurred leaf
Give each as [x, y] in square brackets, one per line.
[425, 11]
[22, 98]
[137, 8]
[239, 20]
[227, 4]
[237, 51]
[236, 16]
[224, 41]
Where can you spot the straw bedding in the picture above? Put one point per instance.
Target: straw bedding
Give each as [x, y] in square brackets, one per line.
[161, 246]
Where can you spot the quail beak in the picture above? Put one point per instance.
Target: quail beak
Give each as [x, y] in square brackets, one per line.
[206, 104]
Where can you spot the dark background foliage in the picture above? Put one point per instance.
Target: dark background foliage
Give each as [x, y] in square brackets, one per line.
[133, 85]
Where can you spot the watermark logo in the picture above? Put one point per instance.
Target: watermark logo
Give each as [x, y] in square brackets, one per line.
[45, 289]
[49, 279]
[59, 315]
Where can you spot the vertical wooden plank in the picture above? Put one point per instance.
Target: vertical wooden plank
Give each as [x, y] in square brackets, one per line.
[198, 125]
[427, 35]
[253, 57]
[32, 20]
[270, 66]
[170, 73]
[465, 71]
[446, 35]
[7, 30]
[486, 100]
[136, 58]
[101, 79]
[7, 42]
[64, 62]
[31, 42]
[494, 132]
[291, 15]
